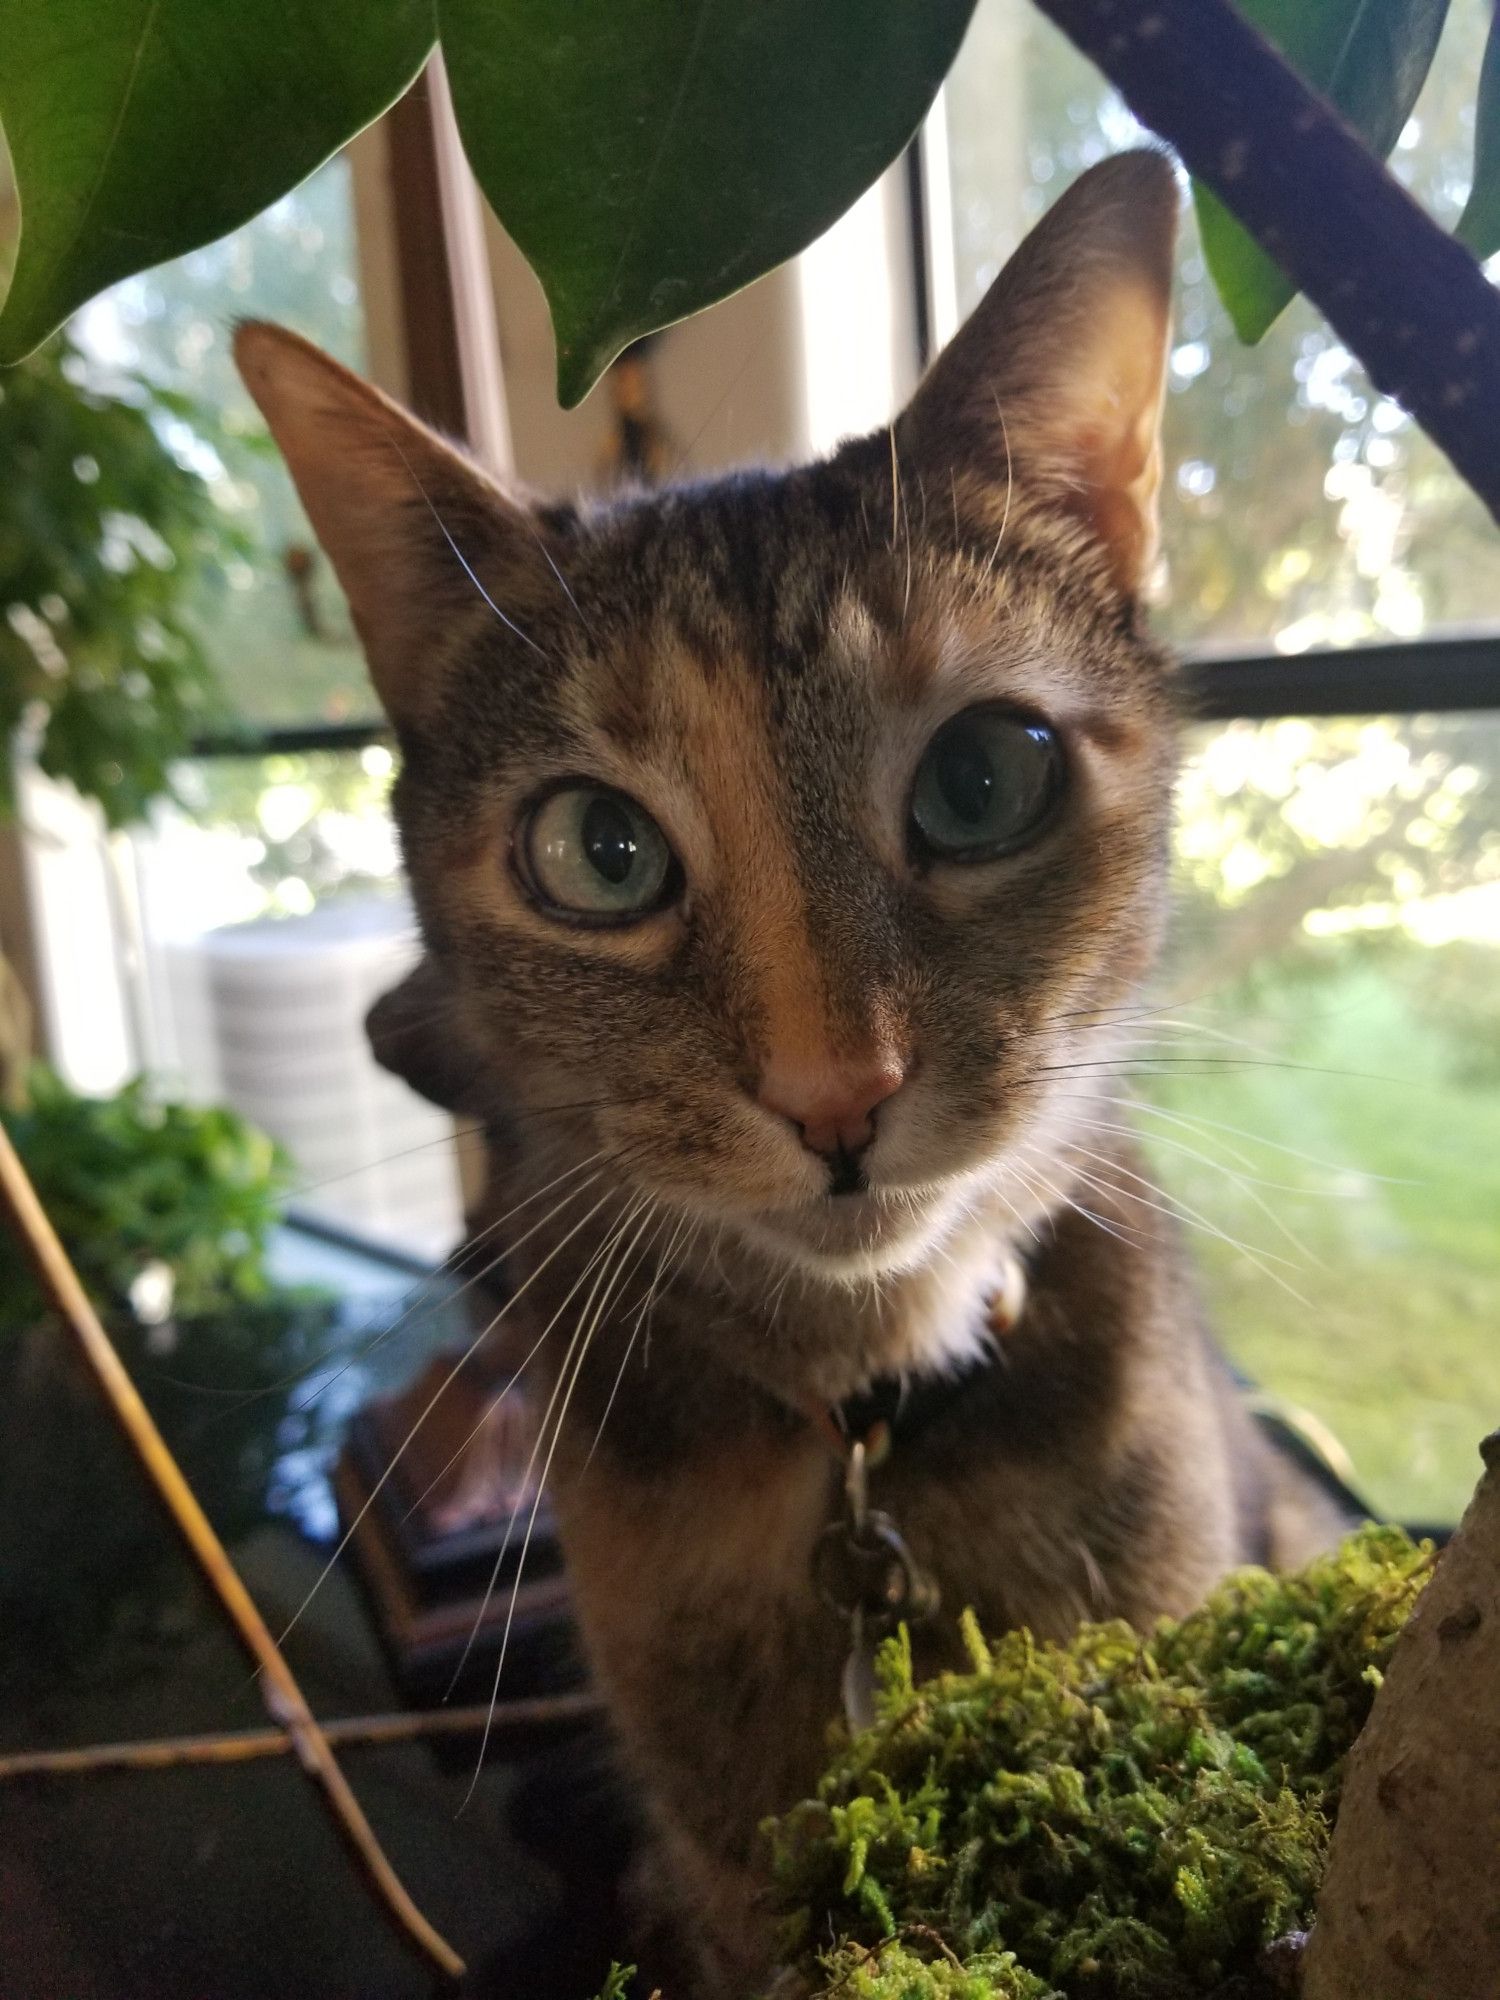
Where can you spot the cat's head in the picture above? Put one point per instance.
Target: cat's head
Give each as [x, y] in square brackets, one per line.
[800, 831]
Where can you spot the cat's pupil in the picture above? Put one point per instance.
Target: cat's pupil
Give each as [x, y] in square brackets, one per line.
[966, 779]
[609, 840]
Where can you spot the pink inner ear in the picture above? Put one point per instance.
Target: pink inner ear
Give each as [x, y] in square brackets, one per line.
[377, 485]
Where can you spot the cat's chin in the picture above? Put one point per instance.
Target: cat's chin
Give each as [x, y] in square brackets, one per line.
[850, 1237]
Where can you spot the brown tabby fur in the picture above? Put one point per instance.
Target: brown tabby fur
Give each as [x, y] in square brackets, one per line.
[760, 662]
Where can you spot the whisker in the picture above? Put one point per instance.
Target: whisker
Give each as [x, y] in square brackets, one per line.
[1122, 1234]
[1247, 1180]
[599, 1254]
[420, 1306]
[468, 570]
[447, 1382]
[646, 1304]
[1185, 1210]
[1144, 1104]
[444, 1138]
[567, 589]
[572, 1384]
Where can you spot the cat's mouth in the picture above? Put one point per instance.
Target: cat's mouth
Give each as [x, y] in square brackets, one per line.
[853, 1230]
[846, 1177]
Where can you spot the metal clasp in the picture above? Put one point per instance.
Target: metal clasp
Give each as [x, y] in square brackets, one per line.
[864, 1571]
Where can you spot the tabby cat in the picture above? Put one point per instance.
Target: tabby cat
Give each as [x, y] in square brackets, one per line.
[790, 855]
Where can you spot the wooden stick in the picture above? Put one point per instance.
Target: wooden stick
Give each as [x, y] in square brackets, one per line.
[241, 1746]
[283, 1698]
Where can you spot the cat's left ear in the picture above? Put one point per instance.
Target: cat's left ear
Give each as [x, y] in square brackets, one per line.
[416, 533]
[1056, 379]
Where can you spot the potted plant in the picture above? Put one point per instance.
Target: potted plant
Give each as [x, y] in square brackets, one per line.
[167, 1210]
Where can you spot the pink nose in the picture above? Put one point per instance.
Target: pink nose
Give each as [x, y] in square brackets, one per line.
[832, 1106]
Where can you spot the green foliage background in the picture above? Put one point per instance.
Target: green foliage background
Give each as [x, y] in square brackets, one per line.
[130, 1182]
[110, 542]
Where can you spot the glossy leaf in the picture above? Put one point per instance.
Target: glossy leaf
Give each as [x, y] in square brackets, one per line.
[652, 156]
[139, 129]
[1479, 225]
[1368, 57]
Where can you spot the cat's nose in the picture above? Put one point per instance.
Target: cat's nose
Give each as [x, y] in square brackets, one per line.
[832, 1105]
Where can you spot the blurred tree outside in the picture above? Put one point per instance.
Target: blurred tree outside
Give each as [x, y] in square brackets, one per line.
[297, 827]
[282, 641]
[1302, 508]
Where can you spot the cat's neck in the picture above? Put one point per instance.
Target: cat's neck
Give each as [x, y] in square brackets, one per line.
[823, 1338]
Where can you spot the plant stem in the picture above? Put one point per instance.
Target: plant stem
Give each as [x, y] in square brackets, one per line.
[241, 1746]
[1405, 297]
[283, 1698]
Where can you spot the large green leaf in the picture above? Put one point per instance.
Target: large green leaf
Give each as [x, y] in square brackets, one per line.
[1479, 225]
[142, 128]
[1370, 58]
[652, 156]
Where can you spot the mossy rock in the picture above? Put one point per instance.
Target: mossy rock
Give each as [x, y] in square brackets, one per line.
[1118, 1818]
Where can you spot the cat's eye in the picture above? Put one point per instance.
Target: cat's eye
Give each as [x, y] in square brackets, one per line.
[989, 783]
[594, 855]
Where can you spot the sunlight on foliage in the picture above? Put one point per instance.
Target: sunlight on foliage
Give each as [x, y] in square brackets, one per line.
[180, 1197]
[108, 537]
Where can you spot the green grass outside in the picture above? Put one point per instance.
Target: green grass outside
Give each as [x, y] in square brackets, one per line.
[1397, 1345]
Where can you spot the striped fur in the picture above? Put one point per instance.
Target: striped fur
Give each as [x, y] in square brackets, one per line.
[760, 662]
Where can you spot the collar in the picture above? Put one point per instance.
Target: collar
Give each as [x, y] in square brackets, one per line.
[894, 1410]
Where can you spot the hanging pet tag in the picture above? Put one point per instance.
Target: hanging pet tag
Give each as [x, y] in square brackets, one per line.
[858, 1680]
[865, 1572]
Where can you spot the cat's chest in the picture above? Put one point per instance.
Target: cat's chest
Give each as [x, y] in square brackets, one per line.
[716, 1544]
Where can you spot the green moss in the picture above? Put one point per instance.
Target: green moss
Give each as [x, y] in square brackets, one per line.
[894, 1972]
[1115, 1819]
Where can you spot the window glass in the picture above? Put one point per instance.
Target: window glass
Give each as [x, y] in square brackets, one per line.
[1323, 1077]
[268, 916]
[280, 635]
[1301, 508]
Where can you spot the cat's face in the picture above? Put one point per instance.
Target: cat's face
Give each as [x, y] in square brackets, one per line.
[790, 839]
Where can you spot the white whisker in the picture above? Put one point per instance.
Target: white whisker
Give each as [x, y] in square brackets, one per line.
[572, 1383]
[469, 1352]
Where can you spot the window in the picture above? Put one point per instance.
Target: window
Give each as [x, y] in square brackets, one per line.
[1321, 1085]
[1334, 1101]
[281, 635]
[1302, 509]
[232, 948]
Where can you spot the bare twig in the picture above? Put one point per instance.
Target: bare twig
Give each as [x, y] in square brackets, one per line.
[283, 1698]
[241, 1746]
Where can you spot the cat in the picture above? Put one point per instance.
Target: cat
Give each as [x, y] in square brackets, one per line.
[790, 852]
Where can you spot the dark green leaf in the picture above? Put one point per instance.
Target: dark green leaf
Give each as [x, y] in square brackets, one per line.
[139, 129]
[651, 158]
[1479, 225]
[1368, 57]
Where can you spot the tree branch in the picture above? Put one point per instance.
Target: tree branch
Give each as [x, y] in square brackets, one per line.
[1405, 297]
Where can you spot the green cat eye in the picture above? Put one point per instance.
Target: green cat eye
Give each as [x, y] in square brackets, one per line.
[594, 855]
[989, 783]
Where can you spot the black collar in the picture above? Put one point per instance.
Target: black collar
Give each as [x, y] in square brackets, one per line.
[896, 1409]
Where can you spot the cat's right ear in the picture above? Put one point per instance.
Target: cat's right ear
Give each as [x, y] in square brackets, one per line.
[416, 533]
